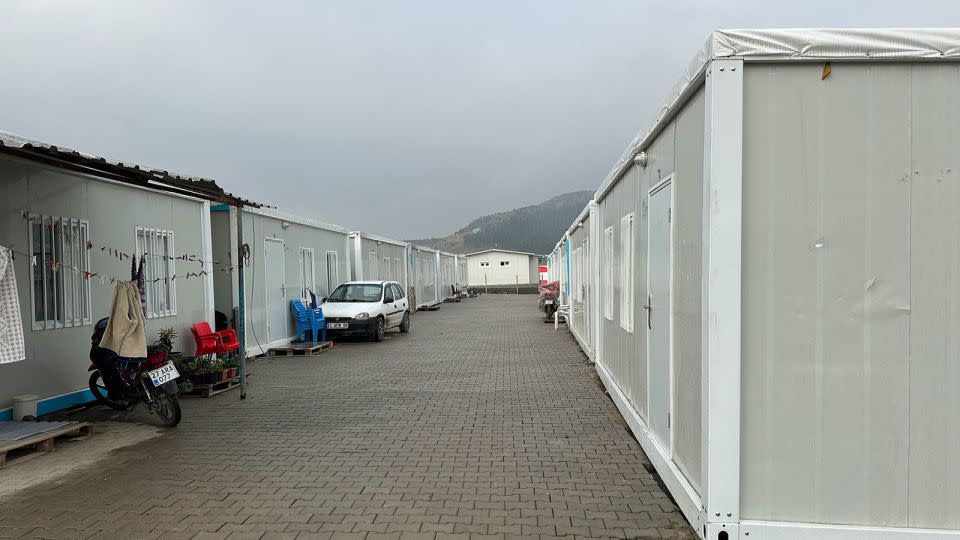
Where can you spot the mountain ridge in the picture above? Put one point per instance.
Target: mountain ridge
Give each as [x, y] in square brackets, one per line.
[534, 228]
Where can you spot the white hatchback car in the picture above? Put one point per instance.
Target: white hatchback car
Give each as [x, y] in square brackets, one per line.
[366, 308]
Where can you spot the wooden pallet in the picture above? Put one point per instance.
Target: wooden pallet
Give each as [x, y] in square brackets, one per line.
[301, 349]
[42, 442]
[210, 390]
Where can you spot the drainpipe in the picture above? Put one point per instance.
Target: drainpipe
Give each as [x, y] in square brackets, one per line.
[242, 315]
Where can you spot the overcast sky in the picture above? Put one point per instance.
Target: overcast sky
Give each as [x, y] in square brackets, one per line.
[407, 119]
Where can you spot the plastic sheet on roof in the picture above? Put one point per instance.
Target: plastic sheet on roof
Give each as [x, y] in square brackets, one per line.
[798, 44]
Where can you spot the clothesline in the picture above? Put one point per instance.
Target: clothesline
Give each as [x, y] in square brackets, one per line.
[56, 266]
[120, 254]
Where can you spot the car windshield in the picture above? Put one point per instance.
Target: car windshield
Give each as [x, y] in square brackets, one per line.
[351, 292]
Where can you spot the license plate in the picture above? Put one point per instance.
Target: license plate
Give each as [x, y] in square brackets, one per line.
[162, 374]
[338, 325]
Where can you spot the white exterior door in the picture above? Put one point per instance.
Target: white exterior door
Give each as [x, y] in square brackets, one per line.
[275, 277]
[659, 354]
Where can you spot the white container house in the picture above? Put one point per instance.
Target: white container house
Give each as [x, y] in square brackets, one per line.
[447, 275]
[74, 220]
[462, 280]
[580, 285]
[503, 267]
[378, 258]
[425, 263]
[778, 287]
[285, 256]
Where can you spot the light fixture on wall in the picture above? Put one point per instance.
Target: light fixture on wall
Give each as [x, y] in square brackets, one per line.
[641, 159]
[285, 225]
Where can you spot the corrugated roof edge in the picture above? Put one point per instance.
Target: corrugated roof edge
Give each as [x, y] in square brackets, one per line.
[580, 217]
[379, 238]
[501, 251]
[70, 159]
[293, 218]
[796, 44]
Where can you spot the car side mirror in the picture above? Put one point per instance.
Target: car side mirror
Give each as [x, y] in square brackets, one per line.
[388, 300]
[324, 299]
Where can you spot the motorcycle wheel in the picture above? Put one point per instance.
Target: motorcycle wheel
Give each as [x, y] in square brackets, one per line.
[99, 390]
[167, 407]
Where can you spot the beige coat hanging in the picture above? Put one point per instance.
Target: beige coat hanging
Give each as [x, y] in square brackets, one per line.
[125, 333]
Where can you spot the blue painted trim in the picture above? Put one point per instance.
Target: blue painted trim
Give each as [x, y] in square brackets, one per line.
[568, 270]
[220, 208]
[53, 404]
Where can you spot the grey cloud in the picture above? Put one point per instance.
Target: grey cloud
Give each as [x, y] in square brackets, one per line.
[400, 118]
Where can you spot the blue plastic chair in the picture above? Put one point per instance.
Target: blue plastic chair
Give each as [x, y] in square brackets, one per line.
[309, 320]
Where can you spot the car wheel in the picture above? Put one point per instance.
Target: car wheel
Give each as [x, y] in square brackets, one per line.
[405, 323]
[378, 331]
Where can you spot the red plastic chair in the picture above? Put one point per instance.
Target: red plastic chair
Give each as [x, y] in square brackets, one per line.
[210, 342]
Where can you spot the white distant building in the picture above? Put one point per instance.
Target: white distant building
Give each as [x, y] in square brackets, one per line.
[497, 267]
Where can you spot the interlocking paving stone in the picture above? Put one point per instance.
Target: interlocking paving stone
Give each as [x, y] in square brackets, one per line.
[483, 422]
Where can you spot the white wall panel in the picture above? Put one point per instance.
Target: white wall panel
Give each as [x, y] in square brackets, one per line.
[836, 370]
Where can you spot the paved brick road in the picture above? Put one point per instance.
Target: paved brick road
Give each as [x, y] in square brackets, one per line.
[481, 421]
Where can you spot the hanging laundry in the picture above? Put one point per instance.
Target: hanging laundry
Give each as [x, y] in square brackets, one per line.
[125, 333]
[11, 326]
[141, 282]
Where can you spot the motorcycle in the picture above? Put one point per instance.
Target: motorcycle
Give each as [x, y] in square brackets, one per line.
[152, 381]
[549, 298]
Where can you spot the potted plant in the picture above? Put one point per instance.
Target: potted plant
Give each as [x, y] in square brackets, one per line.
[165, 339]
[218, 368]
[204, 371]
[232, 363]
[186, 366]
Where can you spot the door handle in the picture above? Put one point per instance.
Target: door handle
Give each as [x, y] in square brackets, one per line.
[649, 309]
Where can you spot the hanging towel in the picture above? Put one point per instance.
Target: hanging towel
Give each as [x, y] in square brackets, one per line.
[124, 334]
[11, 326]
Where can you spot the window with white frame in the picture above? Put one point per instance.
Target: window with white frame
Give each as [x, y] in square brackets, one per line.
[504, 263]
[307, 274]
[585, 265]
[608, 262]
[574, 273]
[386, 269]
[333, 272]
[160, 288]
[59, 273]
[578, 291]
[373, 272]
[484, 264]
[398, 269]
[626, 272]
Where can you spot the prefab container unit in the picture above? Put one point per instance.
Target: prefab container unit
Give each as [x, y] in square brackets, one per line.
[462, 281]
[581, 237]
[447, 277]
[74, 221]
[288, 255]
[779, 285]
[424, 263]
[561, 270]
[378, 258]
[503, 268]
[553, 264]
